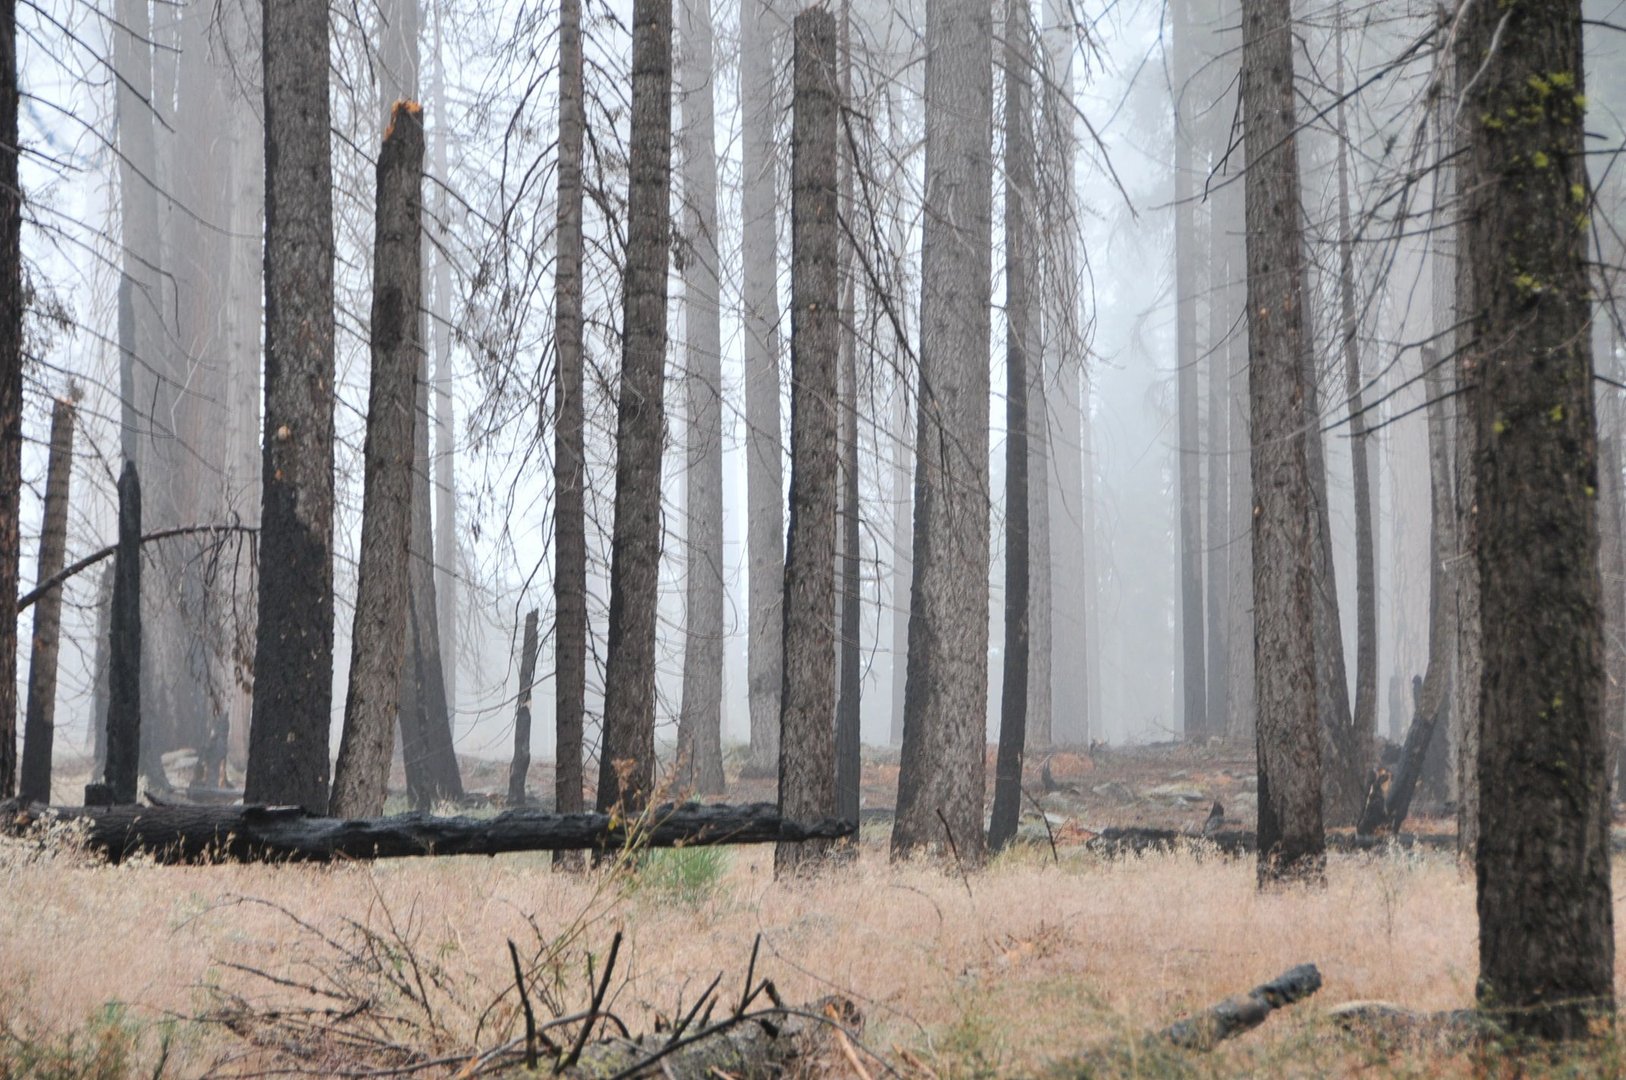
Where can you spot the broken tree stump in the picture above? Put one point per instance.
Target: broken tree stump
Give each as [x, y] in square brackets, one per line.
[206, 834]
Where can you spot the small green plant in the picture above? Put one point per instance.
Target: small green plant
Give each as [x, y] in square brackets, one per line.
[102, 1047]
[689, 874]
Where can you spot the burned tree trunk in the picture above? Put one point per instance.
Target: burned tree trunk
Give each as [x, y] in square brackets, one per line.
[1018, 283]
[807, 736]
[1434, 696]
[941, 781]
[849, 588]
[204, 834]
[293, 662]
[39, 731]
[1291, 842]
[12, 303]
[627, 758]
[124, 667]
[378, 637]
[522, 716]
[569, 519]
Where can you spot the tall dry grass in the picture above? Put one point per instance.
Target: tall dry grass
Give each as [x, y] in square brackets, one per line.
[991, 974]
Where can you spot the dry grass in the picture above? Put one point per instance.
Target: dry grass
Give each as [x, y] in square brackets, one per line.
[990, 975]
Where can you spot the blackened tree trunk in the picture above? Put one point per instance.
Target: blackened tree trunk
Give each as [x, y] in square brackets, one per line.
[40, 728]
[1018, 282]
[700, 719]
[11, 392]
[627, 757]
[378, 636]
[1433, 698]
[759, 290]
[1291, 841]
[293, 661]
[569, 453]
[124, 665]
[521, 766]
[1193, 681]
[941, 779]
[426, 719]
[806, 733]
[99, 673]
[1546, 928]
[850, 679]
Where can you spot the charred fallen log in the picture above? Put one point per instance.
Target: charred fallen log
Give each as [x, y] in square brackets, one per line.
[1237, 842]
[202, 834]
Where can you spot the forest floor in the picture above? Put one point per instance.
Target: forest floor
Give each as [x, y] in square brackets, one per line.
[252, 970]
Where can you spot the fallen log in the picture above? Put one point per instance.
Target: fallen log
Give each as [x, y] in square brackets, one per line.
[1238, 842]
[1202, 1032]
[206, 834]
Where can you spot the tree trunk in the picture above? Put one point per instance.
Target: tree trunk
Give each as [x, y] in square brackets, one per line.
[293, 662]
[1072, 565]
[1291, 843]
[1546, 939]
[40, 728]
[1362, 737]
[627, 757]
[99, 694]
[700, 745]
[1193, 680]
[447, 566]
[521, 766]
[124, 667]
[941, 778]
[765, 529]
[1433, 698]
[1007, 809]
[903, 544]
[12, 303]
[807, 738]
[378, 634]
[569, 454]
[850, 679]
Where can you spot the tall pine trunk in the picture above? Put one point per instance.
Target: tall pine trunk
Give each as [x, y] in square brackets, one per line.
[700, 747]
[765, 529]
[569, 517]
[293, 661]
[807, 780]
[627, 756]
[1007, 807]
[1546, 927]
[1291, 843]
[379, 632]
[39, 730]
[941, 779]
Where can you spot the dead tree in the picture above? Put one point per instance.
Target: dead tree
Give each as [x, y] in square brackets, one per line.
[522, 716]
[806, 731]
[293, 660]
[12, 304]
[124, 665]
[378, 639]
[204, 834]
[1018, 282]
[1291, 841]
[39, 729]
[627, 755]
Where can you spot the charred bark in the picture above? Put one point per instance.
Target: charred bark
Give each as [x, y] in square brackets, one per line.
[40, 729]
[807, 738]
[1291, 841]
[521, 765]
[378, 636]
[124, 667]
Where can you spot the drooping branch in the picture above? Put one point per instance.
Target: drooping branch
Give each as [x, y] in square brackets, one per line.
[75, 568]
